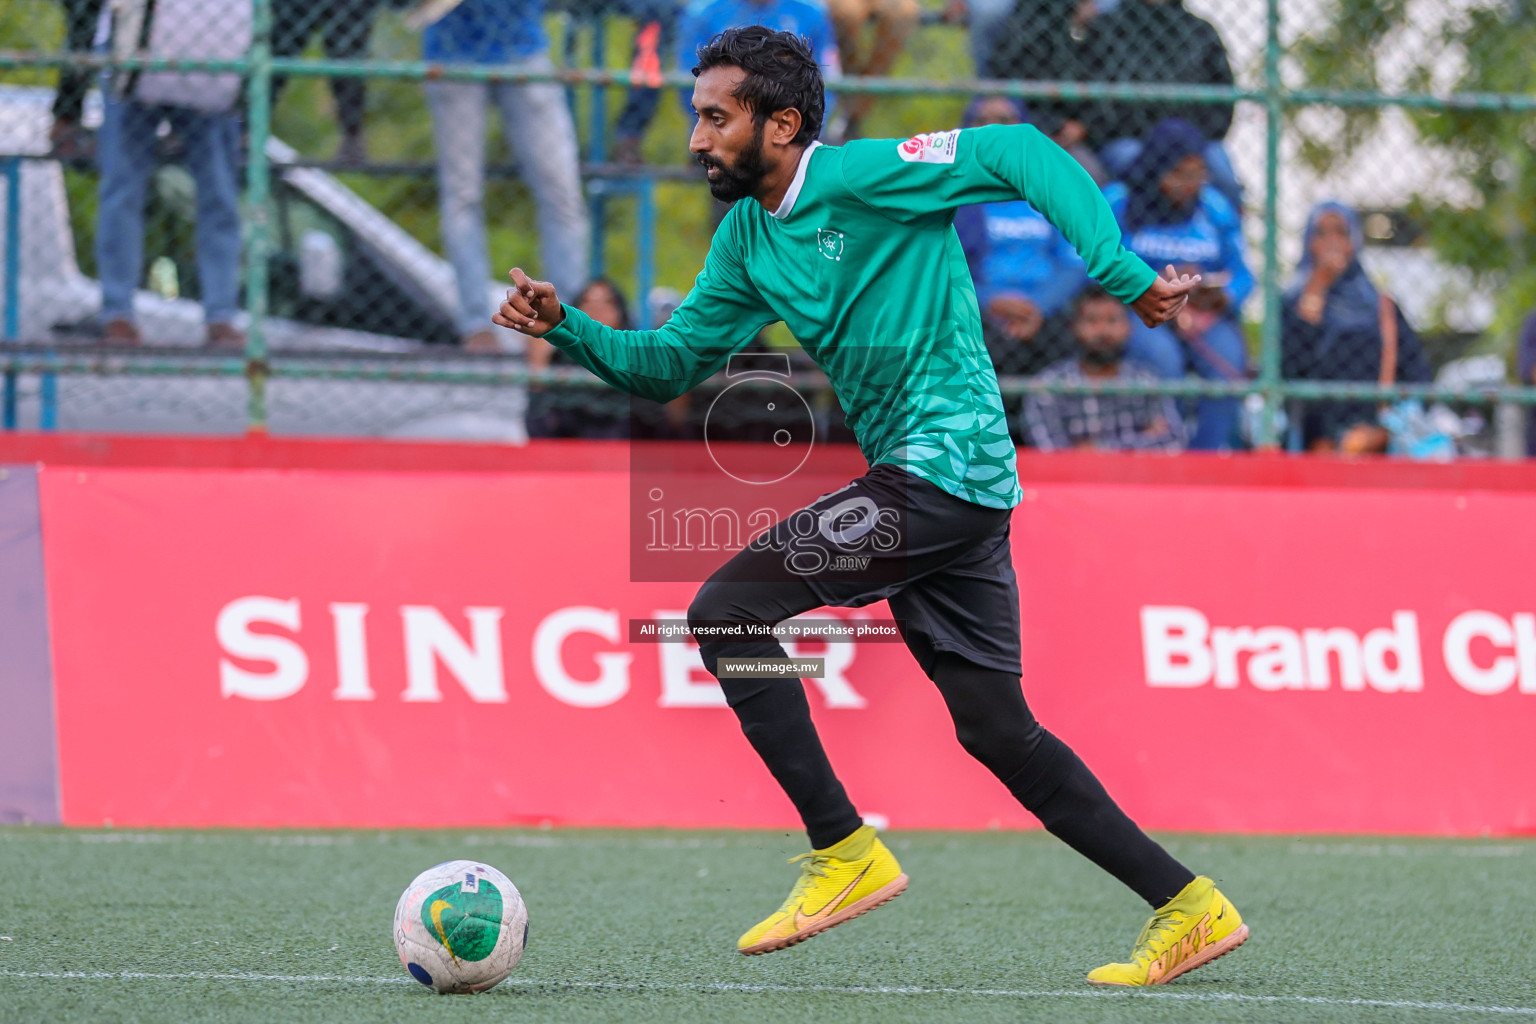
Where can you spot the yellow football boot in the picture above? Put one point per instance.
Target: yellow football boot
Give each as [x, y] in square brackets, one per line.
[837, 884]
[1190, 930]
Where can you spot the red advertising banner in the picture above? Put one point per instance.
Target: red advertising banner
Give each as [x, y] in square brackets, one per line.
[28, 765]
[1280, 659]
[249, 647]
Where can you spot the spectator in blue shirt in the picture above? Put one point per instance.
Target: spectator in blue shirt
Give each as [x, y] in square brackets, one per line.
[1024, 270]
[1157, 42]
[537, 124]
[705, 19]
[1169, 215]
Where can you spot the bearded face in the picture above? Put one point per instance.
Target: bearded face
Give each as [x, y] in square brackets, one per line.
[741, 177]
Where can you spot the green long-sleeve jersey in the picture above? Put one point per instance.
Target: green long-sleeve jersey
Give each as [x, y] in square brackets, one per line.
[862, 263]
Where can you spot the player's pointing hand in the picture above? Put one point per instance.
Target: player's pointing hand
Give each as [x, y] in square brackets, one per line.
[1163, 301]
[531, 307]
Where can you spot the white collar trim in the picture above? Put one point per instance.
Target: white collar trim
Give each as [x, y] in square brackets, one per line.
[798, 182]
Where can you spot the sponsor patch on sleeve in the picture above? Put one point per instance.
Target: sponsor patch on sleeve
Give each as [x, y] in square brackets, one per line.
[930, 147]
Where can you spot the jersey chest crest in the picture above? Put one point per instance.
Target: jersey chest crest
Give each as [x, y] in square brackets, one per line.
[829, 243]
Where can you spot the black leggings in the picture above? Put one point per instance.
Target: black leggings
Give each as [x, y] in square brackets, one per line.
[992, 722]
[345, 27]
[80, 17]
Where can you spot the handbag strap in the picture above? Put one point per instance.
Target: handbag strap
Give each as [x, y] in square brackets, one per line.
[145, 27]
[1387, 312]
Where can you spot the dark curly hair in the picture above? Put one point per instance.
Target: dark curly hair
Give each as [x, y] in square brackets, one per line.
[781, 73]
[1092, 292]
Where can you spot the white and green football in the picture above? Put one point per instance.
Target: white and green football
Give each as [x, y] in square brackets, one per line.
[461, 927]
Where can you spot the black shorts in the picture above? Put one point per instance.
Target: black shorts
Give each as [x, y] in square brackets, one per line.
[941, 562]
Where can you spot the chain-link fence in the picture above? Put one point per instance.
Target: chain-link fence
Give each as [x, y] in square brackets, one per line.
[294, 214]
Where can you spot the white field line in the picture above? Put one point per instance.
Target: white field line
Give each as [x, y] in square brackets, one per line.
[1401, 850]
[575, 839]
[856, 990]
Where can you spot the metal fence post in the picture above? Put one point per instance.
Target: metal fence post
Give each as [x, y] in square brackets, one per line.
[597, 209]
[48, 381]
[1269, 336]
[12, 286]
[597, 149]
[645, 249]
[597, 125]
[48, 397]
[257, 193]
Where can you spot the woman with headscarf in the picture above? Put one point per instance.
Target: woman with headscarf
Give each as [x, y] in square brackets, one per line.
[1169, 215]
[1525, 358]
[1335, 325]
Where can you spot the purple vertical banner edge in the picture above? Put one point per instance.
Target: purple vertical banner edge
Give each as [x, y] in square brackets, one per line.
[29, 769]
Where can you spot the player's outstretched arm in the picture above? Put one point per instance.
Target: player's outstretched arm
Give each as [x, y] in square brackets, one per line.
[719, 315]
[531, 307]
[1165, 298]
[935, 173]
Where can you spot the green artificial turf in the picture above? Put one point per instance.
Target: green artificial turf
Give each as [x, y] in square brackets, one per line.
[640, 926]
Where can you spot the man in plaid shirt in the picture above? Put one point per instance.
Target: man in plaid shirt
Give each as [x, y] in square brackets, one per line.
[1104, 422]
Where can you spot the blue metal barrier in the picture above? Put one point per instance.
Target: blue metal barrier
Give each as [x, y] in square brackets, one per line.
[643, 189]
[10, 331]
[48, 398]
[10, 169]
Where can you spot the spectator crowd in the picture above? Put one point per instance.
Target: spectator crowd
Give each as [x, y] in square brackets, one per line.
[1163, 166]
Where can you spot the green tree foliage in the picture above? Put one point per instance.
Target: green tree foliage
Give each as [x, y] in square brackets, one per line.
[1484, 46]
